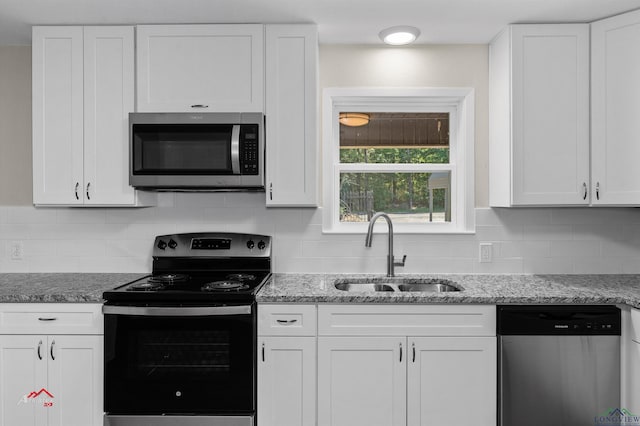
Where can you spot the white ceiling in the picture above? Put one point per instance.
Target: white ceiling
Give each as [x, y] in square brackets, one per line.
[339, 21]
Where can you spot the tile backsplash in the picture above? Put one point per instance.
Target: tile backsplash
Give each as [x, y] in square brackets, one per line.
[541, 240]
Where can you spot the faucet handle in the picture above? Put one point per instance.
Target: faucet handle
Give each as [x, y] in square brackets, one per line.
[400, 263]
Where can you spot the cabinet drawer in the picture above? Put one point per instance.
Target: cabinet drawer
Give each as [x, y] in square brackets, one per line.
[51, 318]
[287, 320]
[407, 320]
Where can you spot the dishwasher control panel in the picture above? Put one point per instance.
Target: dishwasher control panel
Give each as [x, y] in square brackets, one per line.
[540, 320]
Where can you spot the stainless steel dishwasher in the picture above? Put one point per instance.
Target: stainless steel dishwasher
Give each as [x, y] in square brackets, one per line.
[558, 365]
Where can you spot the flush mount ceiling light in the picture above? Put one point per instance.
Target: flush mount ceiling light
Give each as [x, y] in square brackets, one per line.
[399, 35]
[353, 119]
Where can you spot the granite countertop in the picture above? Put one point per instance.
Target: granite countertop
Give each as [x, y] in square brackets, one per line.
[481, 289]
[59, 287]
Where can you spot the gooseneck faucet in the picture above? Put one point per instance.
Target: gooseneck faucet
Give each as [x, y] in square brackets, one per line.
[367, 242]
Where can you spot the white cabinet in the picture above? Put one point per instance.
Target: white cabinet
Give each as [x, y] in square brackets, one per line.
[83, 90]
[449, 374]
[406, 365]
[539, 116]
[287, 365]
[615, 103]
[291, 78]
[185, 68]
[362, 381]
[68, 367]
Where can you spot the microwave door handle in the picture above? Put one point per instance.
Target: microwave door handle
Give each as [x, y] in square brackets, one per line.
[235, 149]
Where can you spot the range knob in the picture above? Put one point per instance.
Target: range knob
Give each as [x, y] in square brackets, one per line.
[261, 245]
[162, 245]
[172, 244]
[250, 244]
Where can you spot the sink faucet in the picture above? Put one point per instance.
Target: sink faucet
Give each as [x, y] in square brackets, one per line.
[367, 242]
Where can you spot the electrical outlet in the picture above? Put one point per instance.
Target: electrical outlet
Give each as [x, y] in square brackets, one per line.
[486, 252]
[17, 250]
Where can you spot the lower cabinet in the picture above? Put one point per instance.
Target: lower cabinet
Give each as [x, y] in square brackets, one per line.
[287, 381]
[50, 379]
[362, 381]
[414, 381]
[286, 365]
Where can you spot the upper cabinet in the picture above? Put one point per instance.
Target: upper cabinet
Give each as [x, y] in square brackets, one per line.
[83, 90]
[185, 68]
[615, 107]
[291, 114]
[539, 116]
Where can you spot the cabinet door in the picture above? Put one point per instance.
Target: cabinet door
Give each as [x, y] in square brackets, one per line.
[75, 379]
[108, 100]
[362, 381]
[57, 115]
[291, 114]
[287, 381]
[446, 374]
[550, 114]
[23, 369]
[185, 68]
[615, 102]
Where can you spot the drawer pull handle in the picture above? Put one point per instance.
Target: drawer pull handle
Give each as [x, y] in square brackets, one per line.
[199, 106]
[47, 318]
[263, 352]
[413, 346]
[39, 347]
[52, 357]
[400, 352]
[287, 322]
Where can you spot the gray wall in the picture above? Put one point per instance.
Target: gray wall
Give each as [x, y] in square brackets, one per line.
[15, 126]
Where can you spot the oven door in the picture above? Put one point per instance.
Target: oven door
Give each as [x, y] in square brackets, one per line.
[180, 361]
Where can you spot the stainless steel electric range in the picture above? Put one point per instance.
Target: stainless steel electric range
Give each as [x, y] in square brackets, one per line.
[180, 344]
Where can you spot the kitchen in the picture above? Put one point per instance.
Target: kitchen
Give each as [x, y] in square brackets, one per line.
[557, 240]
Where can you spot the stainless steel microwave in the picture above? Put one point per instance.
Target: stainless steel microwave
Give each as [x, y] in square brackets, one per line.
[196, 151]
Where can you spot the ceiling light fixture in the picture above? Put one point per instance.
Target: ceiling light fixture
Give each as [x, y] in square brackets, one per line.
[399, 35]
[353, 119]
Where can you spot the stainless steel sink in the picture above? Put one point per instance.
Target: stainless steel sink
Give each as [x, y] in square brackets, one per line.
[368, 285]
[348, 286]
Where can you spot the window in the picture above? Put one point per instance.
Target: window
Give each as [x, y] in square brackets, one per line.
[407, 152]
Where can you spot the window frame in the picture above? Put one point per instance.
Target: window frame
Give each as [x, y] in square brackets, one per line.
[458, 102]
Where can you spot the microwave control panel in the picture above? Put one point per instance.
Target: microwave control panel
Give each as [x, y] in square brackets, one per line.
[249, 151]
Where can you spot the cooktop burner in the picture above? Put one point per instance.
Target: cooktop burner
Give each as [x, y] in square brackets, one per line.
[241, 277]
[168, 278]
[224, 286]
[145, 286]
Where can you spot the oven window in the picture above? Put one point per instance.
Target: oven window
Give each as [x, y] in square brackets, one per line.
[182, 149]
[172, 365]
[187, 353]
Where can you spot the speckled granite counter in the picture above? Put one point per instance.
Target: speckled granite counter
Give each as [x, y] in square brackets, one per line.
[486, 289]
[59, 287]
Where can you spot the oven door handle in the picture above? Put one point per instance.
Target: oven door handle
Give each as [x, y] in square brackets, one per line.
[178, 311]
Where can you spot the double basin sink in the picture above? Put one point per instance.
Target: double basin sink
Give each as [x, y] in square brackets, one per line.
[372, 285]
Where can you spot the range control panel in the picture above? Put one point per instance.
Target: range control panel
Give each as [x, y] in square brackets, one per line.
[212, 244]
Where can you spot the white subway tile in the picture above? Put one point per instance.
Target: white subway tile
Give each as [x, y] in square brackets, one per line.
[547, 265]
[80, 248]
[252, 200]
[142, 248]
[15, 231]
[597, 265]
[603, 231]
[499, 233]
[53, 263]
[142, 215]
[30, 215]
[631, 265]
[500, 266]
[82, 216]
[547, 232]
[575, 249]
[8, 266]
[524, 249]
[140, 265]
[623, 248]
[199, 199]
